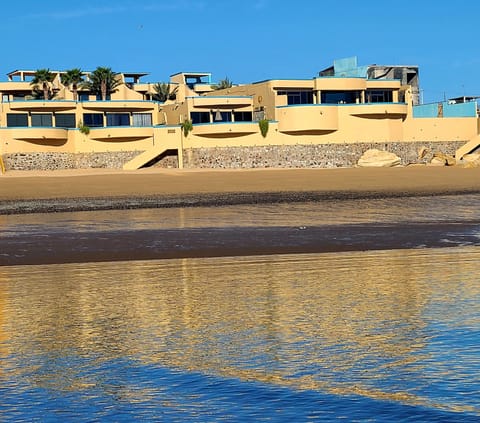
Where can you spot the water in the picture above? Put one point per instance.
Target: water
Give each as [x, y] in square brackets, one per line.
[379, 335]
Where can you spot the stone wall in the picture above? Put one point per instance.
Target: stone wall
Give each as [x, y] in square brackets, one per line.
[104, 160]
[281, 156]
[55, 161]
[309, 156]
[39, 161]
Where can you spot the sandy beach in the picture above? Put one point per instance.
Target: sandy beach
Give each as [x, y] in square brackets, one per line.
[44, 192]
[30, 191]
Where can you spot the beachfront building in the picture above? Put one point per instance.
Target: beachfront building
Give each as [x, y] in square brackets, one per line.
[325, 121]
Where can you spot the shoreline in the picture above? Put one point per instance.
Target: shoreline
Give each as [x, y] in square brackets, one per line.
[100, 189]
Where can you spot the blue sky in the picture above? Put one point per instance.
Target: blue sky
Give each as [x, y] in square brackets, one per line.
[247, 40]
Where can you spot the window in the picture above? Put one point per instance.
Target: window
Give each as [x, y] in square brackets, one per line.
[298, 97]
[222, 116]
[200, 117]
[18, 96]
[107, 97]
[142, 119]
[242, 116]
[118, 119]
[340, 97]
[41, 119]
[65, 120]
[379, 96]
[93, 119]
[17, 119]
[83, 96]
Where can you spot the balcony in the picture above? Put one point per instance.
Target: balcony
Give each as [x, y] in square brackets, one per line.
[121, 133]
[225, 129]
[307, 119]
[41, 105]
[378, 110]
[119, 105]
[37, 133]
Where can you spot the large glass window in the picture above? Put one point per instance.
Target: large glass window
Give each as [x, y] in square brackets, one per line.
[118, 119]
[200, 117]
[142, 119]
[65, 120]
[340, 97]
[42, 119]
[242, 116]
[377, 96]
[298, 97]
[18, 96]
[222, 116]
[17, 119]
[93, 119]
[83, 96]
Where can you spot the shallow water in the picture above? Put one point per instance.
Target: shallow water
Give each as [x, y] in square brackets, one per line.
[388, 336]
[381, 335]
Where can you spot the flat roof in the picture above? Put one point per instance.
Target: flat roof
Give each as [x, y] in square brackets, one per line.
[192, 73]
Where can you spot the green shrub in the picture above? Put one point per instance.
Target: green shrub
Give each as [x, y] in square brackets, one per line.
[84, 129]
[187, 127]
[263, 124]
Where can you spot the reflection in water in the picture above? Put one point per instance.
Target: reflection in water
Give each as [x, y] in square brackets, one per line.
[395, 325]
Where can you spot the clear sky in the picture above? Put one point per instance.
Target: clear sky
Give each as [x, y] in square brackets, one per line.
[246, 40]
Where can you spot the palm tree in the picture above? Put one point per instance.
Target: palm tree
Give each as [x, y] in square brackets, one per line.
[103, 81]
[222, 84]
[73, 77]
[42, 80]
[163, 93]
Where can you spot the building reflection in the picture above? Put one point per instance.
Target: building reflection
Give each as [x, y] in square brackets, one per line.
[304, 320]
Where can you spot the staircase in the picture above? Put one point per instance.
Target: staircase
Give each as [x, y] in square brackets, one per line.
[145, 157]
[467, 148]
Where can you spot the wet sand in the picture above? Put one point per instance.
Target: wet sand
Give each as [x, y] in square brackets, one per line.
[34, 192]
[75, 190]
[127, 245]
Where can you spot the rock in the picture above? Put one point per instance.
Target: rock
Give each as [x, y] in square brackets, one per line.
[438, 161]
[469, 165]
[378, 158]
[473, 157]
[422, 152]
[471, 160]
[446, 158]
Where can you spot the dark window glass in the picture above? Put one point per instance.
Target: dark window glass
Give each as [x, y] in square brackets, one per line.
[41, 119]
[93, 119]
[298, 97]
[200, 117]
[65, 120]
[118, 119]
[339, 97]
[379, 96]
[222, 116]
[99, 97]
[17, 119]
[83, 96]
[242, 116]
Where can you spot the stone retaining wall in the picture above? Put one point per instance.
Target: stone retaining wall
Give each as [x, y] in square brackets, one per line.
[281, 156]
[306, 156]
[55, 161]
